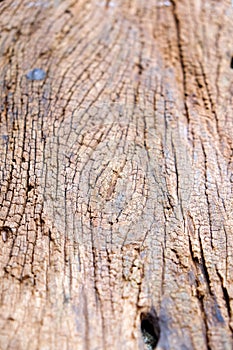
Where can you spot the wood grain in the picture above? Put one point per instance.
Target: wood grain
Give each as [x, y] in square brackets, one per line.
[116, 174]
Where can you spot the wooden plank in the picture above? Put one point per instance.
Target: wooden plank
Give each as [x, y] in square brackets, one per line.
[116, 174]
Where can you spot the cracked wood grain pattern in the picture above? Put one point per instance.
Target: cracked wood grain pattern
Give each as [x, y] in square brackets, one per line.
[116, 173]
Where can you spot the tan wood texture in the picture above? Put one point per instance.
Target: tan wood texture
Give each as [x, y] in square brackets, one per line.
[116, 175]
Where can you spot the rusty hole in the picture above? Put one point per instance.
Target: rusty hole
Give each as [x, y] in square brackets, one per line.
[231, 62]
[150, 329]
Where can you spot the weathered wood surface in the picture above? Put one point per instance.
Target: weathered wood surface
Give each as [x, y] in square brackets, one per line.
[116, 174]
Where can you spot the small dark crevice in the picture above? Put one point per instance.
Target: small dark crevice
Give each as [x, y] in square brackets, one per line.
[202, 307]
[30, 187]
[150, 329]
[227, 300]
[204, 268]
[140, 68]
[225, 295]
[68, 11]
[231, 62]
[195, 259]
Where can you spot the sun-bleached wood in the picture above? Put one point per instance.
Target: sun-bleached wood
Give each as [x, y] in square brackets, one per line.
[116, 174]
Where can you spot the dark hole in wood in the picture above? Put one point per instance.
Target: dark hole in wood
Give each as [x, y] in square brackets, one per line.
[30, 187]
[6, 233]
[150, 329]
[140, 68]
[232, 62]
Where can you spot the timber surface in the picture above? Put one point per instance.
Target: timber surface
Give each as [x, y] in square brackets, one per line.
[116, 174]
